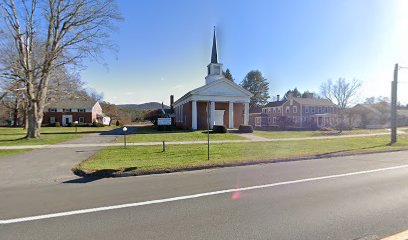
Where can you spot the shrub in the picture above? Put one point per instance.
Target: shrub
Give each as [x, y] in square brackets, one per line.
[246, 129]
[96, 124]
[72, 124]
[219, 129]
[57, 124]
[164, 128]
[117, 123]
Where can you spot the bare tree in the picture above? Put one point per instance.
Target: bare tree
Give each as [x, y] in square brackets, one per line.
[341, 91]
[48, 34]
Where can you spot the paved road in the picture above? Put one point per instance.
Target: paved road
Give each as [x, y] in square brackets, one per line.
[365, 203]
[51, 164]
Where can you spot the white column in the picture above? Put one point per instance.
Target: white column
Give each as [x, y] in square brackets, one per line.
[212, 114]
[194, 115]
[246, 113]
[231, 115]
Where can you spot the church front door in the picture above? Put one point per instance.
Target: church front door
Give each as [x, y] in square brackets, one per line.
[219, 117]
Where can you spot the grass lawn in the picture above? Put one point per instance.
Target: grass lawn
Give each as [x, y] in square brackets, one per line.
[149, 134]
[301, 134]
[49, 135]
[5, 153]
[151, 158]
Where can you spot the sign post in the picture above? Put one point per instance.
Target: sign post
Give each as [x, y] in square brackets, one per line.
[76, 126]
[124, 131]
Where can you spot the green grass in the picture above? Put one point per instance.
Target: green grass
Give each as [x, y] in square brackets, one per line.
[5, 153]
[302, 134]
[49, 135]
[151, 158]
[149, 134]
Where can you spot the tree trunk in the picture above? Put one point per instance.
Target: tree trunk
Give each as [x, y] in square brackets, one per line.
[34, 121]
[25, 118]
[15, 113]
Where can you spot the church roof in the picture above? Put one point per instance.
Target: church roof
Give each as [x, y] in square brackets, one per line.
[221, 87]
[214, 53]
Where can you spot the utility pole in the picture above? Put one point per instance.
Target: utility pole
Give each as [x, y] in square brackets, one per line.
[394, 85]
[208, 130]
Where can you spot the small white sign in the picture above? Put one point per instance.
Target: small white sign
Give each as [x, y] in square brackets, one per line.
[164, 121]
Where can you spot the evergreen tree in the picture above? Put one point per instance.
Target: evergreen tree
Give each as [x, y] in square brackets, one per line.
[228, 75]
[307, 94]
[255, 83]
[295, 93]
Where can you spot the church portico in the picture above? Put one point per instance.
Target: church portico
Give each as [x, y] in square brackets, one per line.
[219, 102]
[227, 113]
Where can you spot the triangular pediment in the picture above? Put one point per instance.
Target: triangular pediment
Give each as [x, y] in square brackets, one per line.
[222, 87]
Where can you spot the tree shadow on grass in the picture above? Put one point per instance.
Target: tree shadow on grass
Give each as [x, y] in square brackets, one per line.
[8, 134]
[212, 132]
[71, 132]
[12, 140]
[349, 150]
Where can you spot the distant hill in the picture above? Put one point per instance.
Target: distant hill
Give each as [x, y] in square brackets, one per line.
[143, 106]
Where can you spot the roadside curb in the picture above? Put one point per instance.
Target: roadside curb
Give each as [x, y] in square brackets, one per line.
[111, 173]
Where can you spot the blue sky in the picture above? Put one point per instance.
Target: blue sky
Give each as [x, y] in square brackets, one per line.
[165, 46]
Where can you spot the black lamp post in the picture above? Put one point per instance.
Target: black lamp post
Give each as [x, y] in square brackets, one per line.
[124, 132]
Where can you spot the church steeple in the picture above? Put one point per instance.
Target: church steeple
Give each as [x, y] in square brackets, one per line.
[214, 53]
[214, 68]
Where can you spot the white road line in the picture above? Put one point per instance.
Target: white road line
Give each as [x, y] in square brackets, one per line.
[199, 195]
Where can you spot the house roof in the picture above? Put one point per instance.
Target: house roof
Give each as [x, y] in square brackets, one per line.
[314, 101]
[73, 104]
[255, 109]
[275, 104]
[402, 112]
[367, 107]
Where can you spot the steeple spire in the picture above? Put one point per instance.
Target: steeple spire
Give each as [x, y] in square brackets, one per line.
[214, 54]
[214, 68]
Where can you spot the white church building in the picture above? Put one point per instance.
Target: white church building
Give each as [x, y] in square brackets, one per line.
[226, 102]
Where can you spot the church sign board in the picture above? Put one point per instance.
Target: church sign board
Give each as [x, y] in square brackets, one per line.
[164, 121]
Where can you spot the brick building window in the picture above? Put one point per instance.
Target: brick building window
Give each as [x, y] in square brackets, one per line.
[81, 120]
[258, 121]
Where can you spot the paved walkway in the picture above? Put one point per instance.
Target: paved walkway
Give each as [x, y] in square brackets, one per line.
[251, 136]
[51, 163]
[88, 144]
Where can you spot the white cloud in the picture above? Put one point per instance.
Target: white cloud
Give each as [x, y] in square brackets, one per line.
[178, 86]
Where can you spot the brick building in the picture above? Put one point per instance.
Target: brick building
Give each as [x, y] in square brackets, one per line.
[297, 113]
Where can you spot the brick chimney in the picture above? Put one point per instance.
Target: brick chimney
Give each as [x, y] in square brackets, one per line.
[171, 102]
